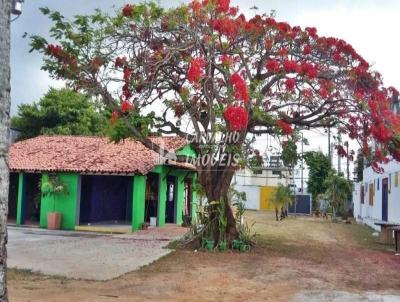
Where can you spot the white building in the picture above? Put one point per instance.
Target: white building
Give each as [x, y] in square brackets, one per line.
[259, 184]
[377, 198]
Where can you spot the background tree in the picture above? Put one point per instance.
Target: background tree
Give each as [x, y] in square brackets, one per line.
[281, 199]
[319, 167]
[289, 153]
[359, 166]
[338, 190]
[203, 70]
[60, 111]
[5, 9]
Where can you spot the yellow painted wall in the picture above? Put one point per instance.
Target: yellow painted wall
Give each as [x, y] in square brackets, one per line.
[265, 197]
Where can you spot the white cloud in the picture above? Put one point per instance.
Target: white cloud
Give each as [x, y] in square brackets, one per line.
[370, 29]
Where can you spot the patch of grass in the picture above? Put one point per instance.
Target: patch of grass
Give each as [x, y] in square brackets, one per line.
[16, 274]
[173, 245]
[308, 234]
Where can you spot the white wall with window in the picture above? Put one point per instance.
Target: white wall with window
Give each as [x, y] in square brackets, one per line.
[369, 196]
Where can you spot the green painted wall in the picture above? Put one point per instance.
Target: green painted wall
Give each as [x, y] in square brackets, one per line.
[180, 193]
[21, 196]
[194, 197]
[139, 195]
[65, 204]
[187, 151]
[162, 197]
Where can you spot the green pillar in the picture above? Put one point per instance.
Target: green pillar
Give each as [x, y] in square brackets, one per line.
[21, 198]
[139, 195]
[180, 194]
[45, 204]
[162, 197]
[194, 197]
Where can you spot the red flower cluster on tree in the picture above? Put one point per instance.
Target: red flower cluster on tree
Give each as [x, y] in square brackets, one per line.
[283, 52]
[323, 92]
[341, 151]
[127, 11]
[290, 84]
[120, 62]
[54, 50]
[126, 89]
[127, 73]
[126, 106]
[307, 49]
[226, 60]
[285, 127]
[237, 117]
[196, 70]
[227, 27]
[223, 6]
[381, 133]
[114, 116]
[380, 157]
[68, 61]
[312, 31]
[290, 66]
[240, 87]
[307, 93]
[273, 66]
[308, 69]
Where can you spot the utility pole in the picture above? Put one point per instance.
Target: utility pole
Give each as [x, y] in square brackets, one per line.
[302, 163]
[5, 103]
[329, 145]
[346, 143]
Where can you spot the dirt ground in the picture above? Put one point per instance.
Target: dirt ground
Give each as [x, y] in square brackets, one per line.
[292, 256]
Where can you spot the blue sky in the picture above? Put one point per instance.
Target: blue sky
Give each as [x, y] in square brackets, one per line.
[369, 25]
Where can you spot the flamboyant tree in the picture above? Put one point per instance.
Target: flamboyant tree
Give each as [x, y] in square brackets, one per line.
[204, 70]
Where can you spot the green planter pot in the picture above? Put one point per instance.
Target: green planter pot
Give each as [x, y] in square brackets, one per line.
[236, 244]
[223, 246]
[209, 245]
[244, 247]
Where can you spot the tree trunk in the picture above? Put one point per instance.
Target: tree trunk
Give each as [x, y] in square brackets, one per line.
[5, 7]
[277, 214]
[216, 184]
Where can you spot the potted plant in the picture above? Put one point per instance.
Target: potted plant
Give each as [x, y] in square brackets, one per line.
[52, 187]
[222, 224]
[208, 244]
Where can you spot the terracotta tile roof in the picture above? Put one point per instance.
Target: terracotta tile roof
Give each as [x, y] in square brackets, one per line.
[85, 154]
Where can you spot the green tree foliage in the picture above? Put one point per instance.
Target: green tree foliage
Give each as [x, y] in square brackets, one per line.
[359, 166]
[338, 190]
[319, 167]
[60, 111]
[289, 153]
[281, 198]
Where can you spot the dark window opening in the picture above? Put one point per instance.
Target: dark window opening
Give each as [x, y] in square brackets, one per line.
[151, 205]
[13, 197]
[105, 199]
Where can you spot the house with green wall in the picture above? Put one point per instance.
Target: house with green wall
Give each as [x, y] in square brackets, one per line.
[106, 183]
